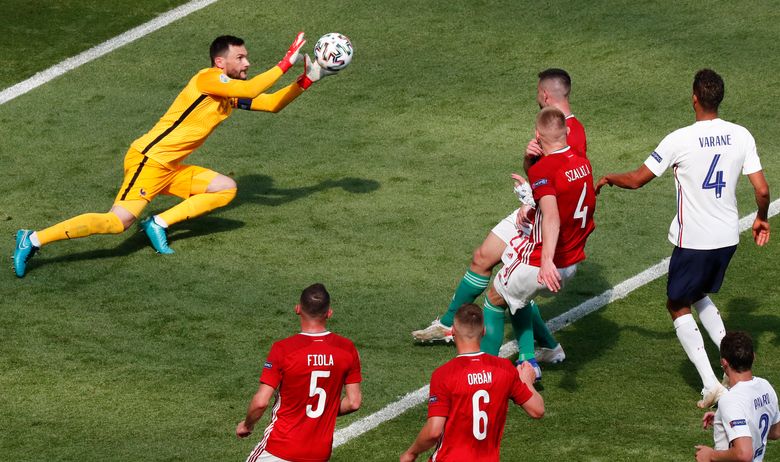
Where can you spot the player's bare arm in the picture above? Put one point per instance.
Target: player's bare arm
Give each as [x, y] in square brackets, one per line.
[429, 435]
[534, 407]
[741, 450]
[627, 180]
[551, 225]
[352, 399]
[774, 432]
[707, 419]
[761, 223]
[257, 407]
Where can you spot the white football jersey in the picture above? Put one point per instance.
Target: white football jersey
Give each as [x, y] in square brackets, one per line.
[747, 409]
[707, 158]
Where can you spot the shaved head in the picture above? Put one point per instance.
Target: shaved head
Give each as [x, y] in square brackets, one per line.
[469, 322]
[551, 126]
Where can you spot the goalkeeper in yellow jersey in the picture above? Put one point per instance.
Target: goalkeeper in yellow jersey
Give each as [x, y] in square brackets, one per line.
[154, 164]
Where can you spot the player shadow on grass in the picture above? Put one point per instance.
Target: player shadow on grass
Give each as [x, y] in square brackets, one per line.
[260, 189]
[136, 240]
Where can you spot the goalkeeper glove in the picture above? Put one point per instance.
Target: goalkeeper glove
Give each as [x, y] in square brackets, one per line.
[293, 54]
[312, 72]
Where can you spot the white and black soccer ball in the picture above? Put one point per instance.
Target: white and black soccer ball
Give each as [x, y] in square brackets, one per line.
[333, 51]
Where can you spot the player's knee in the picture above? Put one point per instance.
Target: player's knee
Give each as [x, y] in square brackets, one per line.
[221, 183]
[226, 196]
[118, 220]
[483, 261]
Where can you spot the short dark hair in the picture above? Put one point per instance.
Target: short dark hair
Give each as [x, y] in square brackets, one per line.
[737, 348]
[315, 301]
[221, 45]
[560, 75]
[469, 319]
[709, 88]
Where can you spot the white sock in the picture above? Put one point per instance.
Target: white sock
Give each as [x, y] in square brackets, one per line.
[693, 344]
[160, 221]
[710, 319]
[34, 239]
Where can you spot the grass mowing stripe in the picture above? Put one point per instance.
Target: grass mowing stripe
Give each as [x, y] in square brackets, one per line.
[99, 50]
[618, 292]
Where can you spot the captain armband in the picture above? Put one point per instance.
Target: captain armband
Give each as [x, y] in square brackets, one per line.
[244, 103]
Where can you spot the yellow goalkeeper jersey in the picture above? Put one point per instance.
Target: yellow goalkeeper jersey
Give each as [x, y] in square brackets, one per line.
[207, 100]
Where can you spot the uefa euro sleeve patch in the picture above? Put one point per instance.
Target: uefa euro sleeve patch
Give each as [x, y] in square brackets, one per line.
[432, 399]
[223, 78]
[268, 365]
[538, 183]
[656, 156]
[737, 423]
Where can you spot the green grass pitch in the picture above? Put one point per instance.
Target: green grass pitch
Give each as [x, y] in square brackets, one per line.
[378, 182]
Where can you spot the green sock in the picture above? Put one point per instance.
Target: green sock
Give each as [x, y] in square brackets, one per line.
[542, 333]
[494, 328]
[523, 325]
[468, 290]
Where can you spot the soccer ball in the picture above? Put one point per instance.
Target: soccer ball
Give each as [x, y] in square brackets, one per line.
[333, 51]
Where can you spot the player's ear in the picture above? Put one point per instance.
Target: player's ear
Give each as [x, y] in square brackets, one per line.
[723, 363]
[298, 309]
[330, 313]
[219, 61]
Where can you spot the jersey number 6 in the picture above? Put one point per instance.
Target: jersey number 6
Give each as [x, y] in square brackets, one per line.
[479, 422]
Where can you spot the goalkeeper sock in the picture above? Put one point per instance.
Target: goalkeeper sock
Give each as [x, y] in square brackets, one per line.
[469, 288]
[82, 226]
[542, 333]
[197, 205]
[523, 325]
[710, 319]
[494, 328]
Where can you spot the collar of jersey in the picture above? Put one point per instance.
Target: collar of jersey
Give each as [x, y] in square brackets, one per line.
[562, 150]
[318, 334]
[476, 353]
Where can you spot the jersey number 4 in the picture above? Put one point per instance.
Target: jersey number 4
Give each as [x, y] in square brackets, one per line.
[582, 212]
[717, 182]
[314, 390]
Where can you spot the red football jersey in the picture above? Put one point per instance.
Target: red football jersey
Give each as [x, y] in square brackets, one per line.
[569, 178]
[310, 371]
[576, 137]
[472, 391]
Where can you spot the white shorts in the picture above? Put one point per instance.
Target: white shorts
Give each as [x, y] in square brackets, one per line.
[506, 229]
[517, 283]
[266, 456]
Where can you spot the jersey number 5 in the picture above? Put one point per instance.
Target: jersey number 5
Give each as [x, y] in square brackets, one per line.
[479, 422]
[314, 390]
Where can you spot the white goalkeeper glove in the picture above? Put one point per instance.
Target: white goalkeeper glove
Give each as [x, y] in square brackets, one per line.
[523, 190]
[312, 72]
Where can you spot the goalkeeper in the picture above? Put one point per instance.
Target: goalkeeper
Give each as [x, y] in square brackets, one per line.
[154, 164]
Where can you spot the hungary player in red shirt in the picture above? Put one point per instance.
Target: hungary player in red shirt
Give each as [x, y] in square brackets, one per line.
[562, 185]
[469, 397]
[307, 373]
[553, 90]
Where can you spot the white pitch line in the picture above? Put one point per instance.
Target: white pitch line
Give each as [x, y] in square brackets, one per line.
[99, 50]
[621, 290]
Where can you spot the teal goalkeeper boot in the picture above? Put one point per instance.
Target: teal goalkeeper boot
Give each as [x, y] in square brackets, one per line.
[23, 252]
[156, 235]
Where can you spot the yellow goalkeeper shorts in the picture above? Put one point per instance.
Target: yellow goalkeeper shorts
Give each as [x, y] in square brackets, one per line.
[145, 178]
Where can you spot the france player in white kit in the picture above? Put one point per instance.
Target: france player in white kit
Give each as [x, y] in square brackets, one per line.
[706, 158]
[747, 414]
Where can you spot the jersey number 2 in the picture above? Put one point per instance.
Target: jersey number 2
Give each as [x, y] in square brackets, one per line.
[479, 422]
[717, 184]
[763, 425]
[314, 390]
